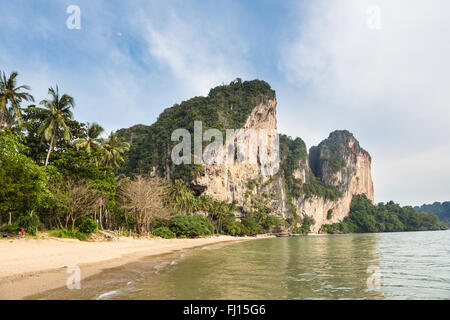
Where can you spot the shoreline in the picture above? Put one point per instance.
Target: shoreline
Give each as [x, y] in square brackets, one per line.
[31, 266]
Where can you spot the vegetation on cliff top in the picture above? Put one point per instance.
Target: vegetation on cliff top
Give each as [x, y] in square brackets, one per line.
[225, 107]
[365, 217]
[332, 152]
[293, 154]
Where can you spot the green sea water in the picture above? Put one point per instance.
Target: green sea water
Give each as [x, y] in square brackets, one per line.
[411, 265]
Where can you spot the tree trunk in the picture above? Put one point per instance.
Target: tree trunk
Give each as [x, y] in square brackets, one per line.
[2, 114]
[109, 219]
[58, 220]
[100, 216]
[49, 150]
[9, 221]
[66, 224]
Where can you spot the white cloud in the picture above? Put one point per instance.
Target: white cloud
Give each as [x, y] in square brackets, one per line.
[197, 52]
[426, 173]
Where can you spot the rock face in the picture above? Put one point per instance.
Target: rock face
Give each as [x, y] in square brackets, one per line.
[319, 184]
[341, 162]
[229, 181]
[337, 162]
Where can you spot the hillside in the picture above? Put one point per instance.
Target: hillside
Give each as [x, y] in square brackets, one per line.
[225, 107]
[318, 186]
[441, 210]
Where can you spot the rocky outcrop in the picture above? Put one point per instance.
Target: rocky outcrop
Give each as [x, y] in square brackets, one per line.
[338, 162]
[319, 184]
[229, 181]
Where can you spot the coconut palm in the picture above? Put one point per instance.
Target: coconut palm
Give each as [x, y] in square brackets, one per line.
[113, 151]
[56, 113]
[92, 142]
[182, 197]
[11, 93]
[9, 118]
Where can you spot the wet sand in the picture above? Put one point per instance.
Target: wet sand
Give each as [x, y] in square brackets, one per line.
[29, 266]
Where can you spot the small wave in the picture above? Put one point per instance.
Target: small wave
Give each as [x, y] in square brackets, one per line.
[107, 294]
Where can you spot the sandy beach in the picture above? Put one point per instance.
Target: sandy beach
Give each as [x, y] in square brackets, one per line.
[31, 266]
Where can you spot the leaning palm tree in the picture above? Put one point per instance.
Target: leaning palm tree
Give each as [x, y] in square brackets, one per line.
[92, 141]
[56, 113]
[182, 197]
[113, 151]
[11, 93]
[10, 121]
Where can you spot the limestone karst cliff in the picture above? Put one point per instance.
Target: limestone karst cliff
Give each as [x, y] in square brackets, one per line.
[319, 184]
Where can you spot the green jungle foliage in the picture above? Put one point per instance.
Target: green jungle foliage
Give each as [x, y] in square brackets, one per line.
[331, 152]
[22, 181]
[191, 226]
[88, 226]
[226, 107]
[317, 187]
[292, 152]
[30, 223]
[67, 234]
[164, 232]
[305, 228]
[390, 217]
[441, 210]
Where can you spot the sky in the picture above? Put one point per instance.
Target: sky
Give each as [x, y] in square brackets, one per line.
[377, 68]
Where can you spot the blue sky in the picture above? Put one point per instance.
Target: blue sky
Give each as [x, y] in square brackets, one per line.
[331, 69]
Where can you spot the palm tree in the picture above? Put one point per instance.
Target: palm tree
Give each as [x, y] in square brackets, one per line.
[205, 203]
[9, 118]
[92, 142]
[56, 112]
[183, 197]
[113, 150]
[10, 92]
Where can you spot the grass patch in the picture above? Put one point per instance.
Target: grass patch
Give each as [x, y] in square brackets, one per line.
[67, 234]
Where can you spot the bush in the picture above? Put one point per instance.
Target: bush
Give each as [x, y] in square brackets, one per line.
[160, 222]
[233, 228]
[13, 228]
[163, 232]
[191, 226]
[299, 230]
[306, 226]
[364, 216]
[64, 233]
[30, 223]
[270, 222]
[251, 226]
[88, 226]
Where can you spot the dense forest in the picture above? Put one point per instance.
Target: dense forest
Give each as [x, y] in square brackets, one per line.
[441, 210]
[364, 217]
